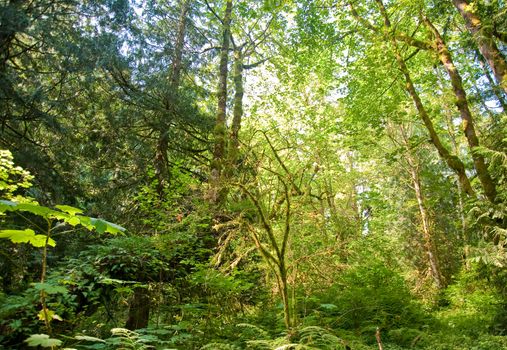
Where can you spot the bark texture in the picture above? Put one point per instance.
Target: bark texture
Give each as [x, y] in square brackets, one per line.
[238, 107]
[427, 231]
[462, 103]
[483, 36]
[220, 131]
[451, 160]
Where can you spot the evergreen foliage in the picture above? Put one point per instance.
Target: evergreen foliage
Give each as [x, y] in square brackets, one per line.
[232, 174]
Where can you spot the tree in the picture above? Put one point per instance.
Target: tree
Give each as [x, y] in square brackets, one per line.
[484, 37]
[161, 160]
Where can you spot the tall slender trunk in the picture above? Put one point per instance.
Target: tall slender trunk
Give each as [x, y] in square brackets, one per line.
[161, 171]
[413, 169]
[284, 285]
[461, 207]
[462, 104]
[426, 225]
[451, 160]
[178, 47]
[483, 36]
[237, 109]
[220, 131]
[161, 160]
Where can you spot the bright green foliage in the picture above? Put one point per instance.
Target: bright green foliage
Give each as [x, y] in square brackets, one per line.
[12, 178]
[67, 214]
[43, 340]
[339, 205]
[26, 236]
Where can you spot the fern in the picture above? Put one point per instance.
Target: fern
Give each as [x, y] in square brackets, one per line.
[122, 339]
[293, 347]
[219, 346]
[250, 330]
[259, 345]
[310, 337]
[319, 337]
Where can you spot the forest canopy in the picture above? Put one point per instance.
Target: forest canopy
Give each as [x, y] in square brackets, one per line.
[268, 174]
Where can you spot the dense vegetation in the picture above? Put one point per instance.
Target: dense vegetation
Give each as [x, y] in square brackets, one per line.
[232, 174]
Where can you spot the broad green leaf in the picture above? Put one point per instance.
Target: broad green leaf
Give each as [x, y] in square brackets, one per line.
[86, 221]
[35, 209]
[114, 228]
[73, 221]
[49, 288]
[18, 236]
[42, 315]
[88, 338]
[68, 218]
[58, 215]
[51, 315]
[26, 236]
[110, 281]
[7, 205]
[105, 226]
[328, 306]
[40, 241]
[68, 209]
[42, 340]
[99, 224]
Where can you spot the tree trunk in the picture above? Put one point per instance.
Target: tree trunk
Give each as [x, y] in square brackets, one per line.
[494, 86]
[220, 131]
[285, 295]
[483, 36]
[178, 47]
[161, 160]
[461, 207]
[238, 108]
[426, 225]
[462, 104]
[413, 170]
[451, 160]
[139, 309]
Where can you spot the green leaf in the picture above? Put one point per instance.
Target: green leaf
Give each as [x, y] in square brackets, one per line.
[99, 224]
[105, 226]
[6, 205]
[59, 215]
[49, 288]
[86, 221]
[40, 241]
[73, 220]
[42, 340]
[88, 338]
[328, 307]
[110, 281]
[15, 324]
[68, 209]
[35, 209]
[26, 236]
[51, 315]
[18, 236]
[114, 228]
